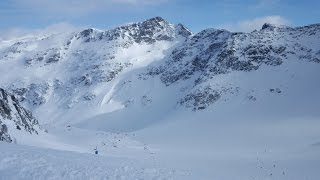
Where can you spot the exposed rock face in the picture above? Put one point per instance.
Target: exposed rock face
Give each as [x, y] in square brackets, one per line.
[200, 99]
[14, 116]
[214, 52]
[149, 31]
[4, 136]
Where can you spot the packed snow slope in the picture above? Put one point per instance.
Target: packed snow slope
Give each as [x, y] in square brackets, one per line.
[161, 102]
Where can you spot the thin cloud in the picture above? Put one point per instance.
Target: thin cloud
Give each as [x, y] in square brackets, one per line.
[254, 24]
[81, 7]
[61, 27]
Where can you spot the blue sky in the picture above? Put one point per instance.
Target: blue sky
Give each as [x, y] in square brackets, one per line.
[235, 15]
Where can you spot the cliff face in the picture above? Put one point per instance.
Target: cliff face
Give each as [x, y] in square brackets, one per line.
[13, 117]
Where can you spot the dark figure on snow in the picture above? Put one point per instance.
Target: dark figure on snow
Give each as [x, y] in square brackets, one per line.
[96, 150]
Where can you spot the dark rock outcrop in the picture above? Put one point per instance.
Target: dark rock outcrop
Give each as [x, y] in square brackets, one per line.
[14, 116]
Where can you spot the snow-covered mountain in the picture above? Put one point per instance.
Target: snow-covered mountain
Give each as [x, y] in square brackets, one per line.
[92, 71]
[14, 119]
[201, 100]
[66, 72]
[213, 52]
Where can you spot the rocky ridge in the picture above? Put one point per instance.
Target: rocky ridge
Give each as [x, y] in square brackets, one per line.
[13, 117]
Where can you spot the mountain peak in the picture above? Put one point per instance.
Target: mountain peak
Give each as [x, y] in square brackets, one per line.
[272, 26]
[268, 26]
[155, 19]
[155, 22]
[183, 30]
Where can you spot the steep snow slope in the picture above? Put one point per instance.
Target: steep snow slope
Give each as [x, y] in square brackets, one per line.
[62, 74]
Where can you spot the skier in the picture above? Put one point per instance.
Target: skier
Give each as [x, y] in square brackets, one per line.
[96, 150]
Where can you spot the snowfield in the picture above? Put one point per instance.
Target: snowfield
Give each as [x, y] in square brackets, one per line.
[288, 150]
[23, 162]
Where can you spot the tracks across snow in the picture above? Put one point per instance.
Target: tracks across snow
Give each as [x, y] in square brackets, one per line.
[24, 162]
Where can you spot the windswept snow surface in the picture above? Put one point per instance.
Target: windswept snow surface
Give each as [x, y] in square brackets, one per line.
[22, 162]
